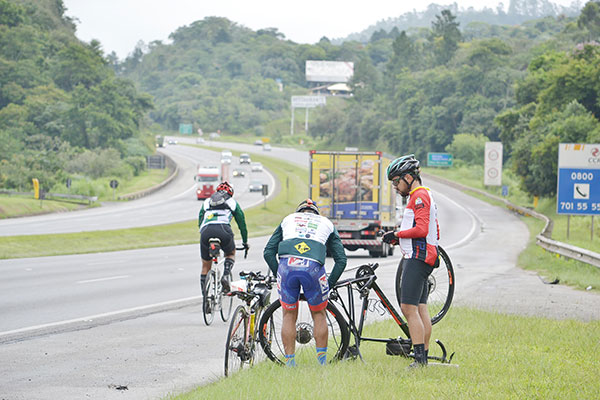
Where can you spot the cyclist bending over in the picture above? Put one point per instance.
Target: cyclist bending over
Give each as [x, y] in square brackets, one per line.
[214, 221]
[418, 238]
[302, 240]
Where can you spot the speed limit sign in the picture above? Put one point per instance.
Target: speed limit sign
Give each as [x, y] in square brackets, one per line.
[493, 164]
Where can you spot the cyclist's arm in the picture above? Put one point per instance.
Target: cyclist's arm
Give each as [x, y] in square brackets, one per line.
[240, 219]
[201, 216]
[336, 248]
[270, 251]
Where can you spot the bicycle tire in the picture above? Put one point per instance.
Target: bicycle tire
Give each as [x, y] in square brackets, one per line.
[235, 345]
[208, 298]
[270, 332]
[441, 287]
[226, 304]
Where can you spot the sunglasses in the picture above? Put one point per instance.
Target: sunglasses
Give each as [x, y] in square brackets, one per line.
[396, 180]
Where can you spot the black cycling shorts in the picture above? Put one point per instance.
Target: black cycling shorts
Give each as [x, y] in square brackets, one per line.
[221, 231]
[413, 287]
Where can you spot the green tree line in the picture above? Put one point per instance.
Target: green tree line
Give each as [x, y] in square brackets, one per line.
[61, 103]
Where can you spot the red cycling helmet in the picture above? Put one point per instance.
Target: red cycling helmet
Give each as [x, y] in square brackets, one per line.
[225, 187]
[308, 204]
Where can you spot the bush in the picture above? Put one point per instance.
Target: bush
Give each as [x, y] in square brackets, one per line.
[468, 148]
[138, 163]
[96, 164]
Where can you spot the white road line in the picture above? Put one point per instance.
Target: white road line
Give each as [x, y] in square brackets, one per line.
[110, 278]
[98, 316]
[475, 222]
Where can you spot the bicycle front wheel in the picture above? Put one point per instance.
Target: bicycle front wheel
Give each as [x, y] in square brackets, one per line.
[209, 298]
[236, 348]
[226, 304]
[441, 287]
[270, 333]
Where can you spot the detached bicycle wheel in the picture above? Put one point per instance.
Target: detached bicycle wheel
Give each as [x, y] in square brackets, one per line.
[235, 345]
[226, 304]
[270, 333]
[209, 298]
[441, 287]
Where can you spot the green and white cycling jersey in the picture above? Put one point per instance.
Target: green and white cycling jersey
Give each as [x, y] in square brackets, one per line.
[223, 215]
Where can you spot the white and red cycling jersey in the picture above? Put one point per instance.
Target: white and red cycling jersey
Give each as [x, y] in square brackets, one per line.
[419, 231]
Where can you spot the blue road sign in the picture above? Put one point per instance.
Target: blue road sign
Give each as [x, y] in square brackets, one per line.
[439, 159]
[578, 187]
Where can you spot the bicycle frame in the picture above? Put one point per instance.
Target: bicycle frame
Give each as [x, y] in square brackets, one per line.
[364, 283]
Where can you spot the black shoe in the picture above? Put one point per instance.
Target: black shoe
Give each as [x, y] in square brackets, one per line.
[225, 284]
[416, 365]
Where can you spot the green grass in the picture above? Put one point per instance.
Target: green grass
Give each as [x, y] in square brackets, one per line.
[145, 180]
[18, 206]
[260, 221]
[499, 357]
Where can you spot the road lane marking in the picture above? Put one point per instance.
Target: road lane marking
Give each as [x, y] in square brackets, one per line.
[110, 278]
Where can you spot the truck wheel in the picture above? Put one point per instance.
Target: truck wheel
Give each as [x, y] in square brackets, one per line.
[390, 250]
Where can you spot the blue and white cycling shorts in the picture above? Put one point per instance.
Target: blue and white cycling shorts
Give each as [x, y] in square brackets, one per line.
[296, 272]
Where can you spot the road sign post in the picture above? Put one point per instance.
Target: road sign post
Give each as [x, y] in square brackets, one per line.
[493, 164]
[114, 184]
[265, 192]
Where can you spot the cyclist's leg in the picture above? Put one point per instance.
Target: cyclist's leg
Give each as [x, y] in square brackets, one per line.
[204, 255]
[424, 310]
[228, 246]
[289, 295]
[316, 291]
[414, 280]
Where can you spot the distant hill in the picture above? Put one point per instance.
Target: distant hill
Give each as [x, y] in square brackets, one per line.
[517, 12]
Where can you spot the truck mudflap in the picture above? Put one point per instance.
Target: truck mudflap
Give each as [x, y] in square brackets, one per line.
[361, 242]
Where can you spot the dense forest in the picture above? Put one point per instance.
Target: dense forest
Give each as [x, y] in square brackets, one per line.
[63, 110]
[449, 85]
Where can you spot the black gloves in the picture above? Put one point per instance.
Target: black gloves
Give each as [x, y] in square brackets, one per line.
[390, 237]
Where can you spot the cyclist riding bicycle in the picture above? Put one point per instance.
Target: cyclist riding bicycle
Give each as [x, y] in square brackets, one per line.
[214, 222]
[418, 238]
[302, 241]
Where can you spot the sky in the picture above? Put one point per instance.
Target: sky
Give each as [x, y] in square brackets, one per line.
[120, 24]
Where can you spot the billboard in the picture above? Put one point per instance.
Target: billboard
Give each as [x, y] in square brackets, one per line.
[308, 101]
[329, 71]
[578, 186]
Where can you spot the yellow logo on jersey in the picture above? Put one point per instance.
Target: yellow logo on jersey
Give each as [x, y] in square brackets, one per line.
[302, 247]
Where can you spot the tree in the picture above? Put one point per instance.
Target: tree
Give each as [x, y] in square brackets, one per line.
[590, 19]
[445, 36]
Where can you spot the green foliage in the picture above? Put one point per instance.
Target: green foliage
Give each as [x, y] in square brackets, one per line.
[59, 97]
[468, 148]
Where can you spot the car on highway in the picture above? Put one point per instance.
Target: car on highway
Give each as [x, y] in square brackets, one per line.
[214, 135]
[239, 173]
[258, 142]
[226, 157]
[245, 158]
[267, 147]
[256, 167]
[172, 141]
[255, 186]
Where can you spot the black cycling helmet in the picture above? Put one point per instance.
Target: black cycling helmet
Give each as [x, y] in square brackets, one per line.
[308, 204]
[403, 165]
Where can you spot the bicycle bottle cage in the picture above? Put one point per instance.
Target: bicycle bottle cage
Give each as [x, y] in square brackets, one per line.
[214, 247]
[264, 294]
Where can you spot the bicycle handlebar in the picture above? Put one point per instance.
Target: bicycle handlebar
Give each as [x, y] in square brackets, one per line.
[243, 248]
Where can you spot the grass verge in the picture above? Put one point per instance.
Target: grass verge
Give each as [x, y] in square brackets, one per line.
[19, 206]
[260, 221]
[499, 356]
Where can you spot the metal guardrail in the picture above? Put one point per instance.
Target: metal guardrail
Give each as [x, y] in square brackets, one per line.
[174, 172]
[90, 199]
[544, 239]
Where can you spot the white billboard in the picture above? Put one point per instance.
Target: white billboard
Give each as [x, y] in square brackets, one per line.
[308, 101]
[329, 71]
[493, 164]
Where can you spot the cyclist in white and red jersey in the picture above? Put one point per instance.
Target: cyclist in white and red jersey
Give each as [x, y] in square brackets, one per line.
[418, 238]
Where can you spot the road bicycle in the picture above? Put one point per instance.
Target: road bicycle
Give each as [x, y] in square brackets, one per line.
[342, 324]
[212, 295]
[242, 344]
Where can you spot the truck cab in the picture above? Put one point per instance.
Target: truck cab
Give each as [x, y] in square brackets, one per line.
[207, 180]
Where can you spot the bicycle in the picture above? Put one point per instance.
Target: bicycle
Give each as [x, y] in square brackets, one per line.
[241, 346]
[212, 295]
[340, 327]
[440, 284]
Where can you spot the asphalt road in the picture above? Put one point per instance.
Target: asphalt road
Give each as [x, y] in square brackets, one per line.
[176, 202]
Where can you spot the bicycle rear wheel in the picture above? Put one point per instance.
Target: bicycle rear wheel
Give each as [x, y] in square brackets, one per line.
[226, 304]
[209, 298]
[441, 287]
[270, 333]
[236, 349]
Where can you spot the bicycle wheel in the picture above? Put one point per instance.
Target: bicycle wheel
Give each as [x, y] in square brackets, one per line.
[441, 287]
[209, 298]
[226, 304]
[236, 349]
[270, 333]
